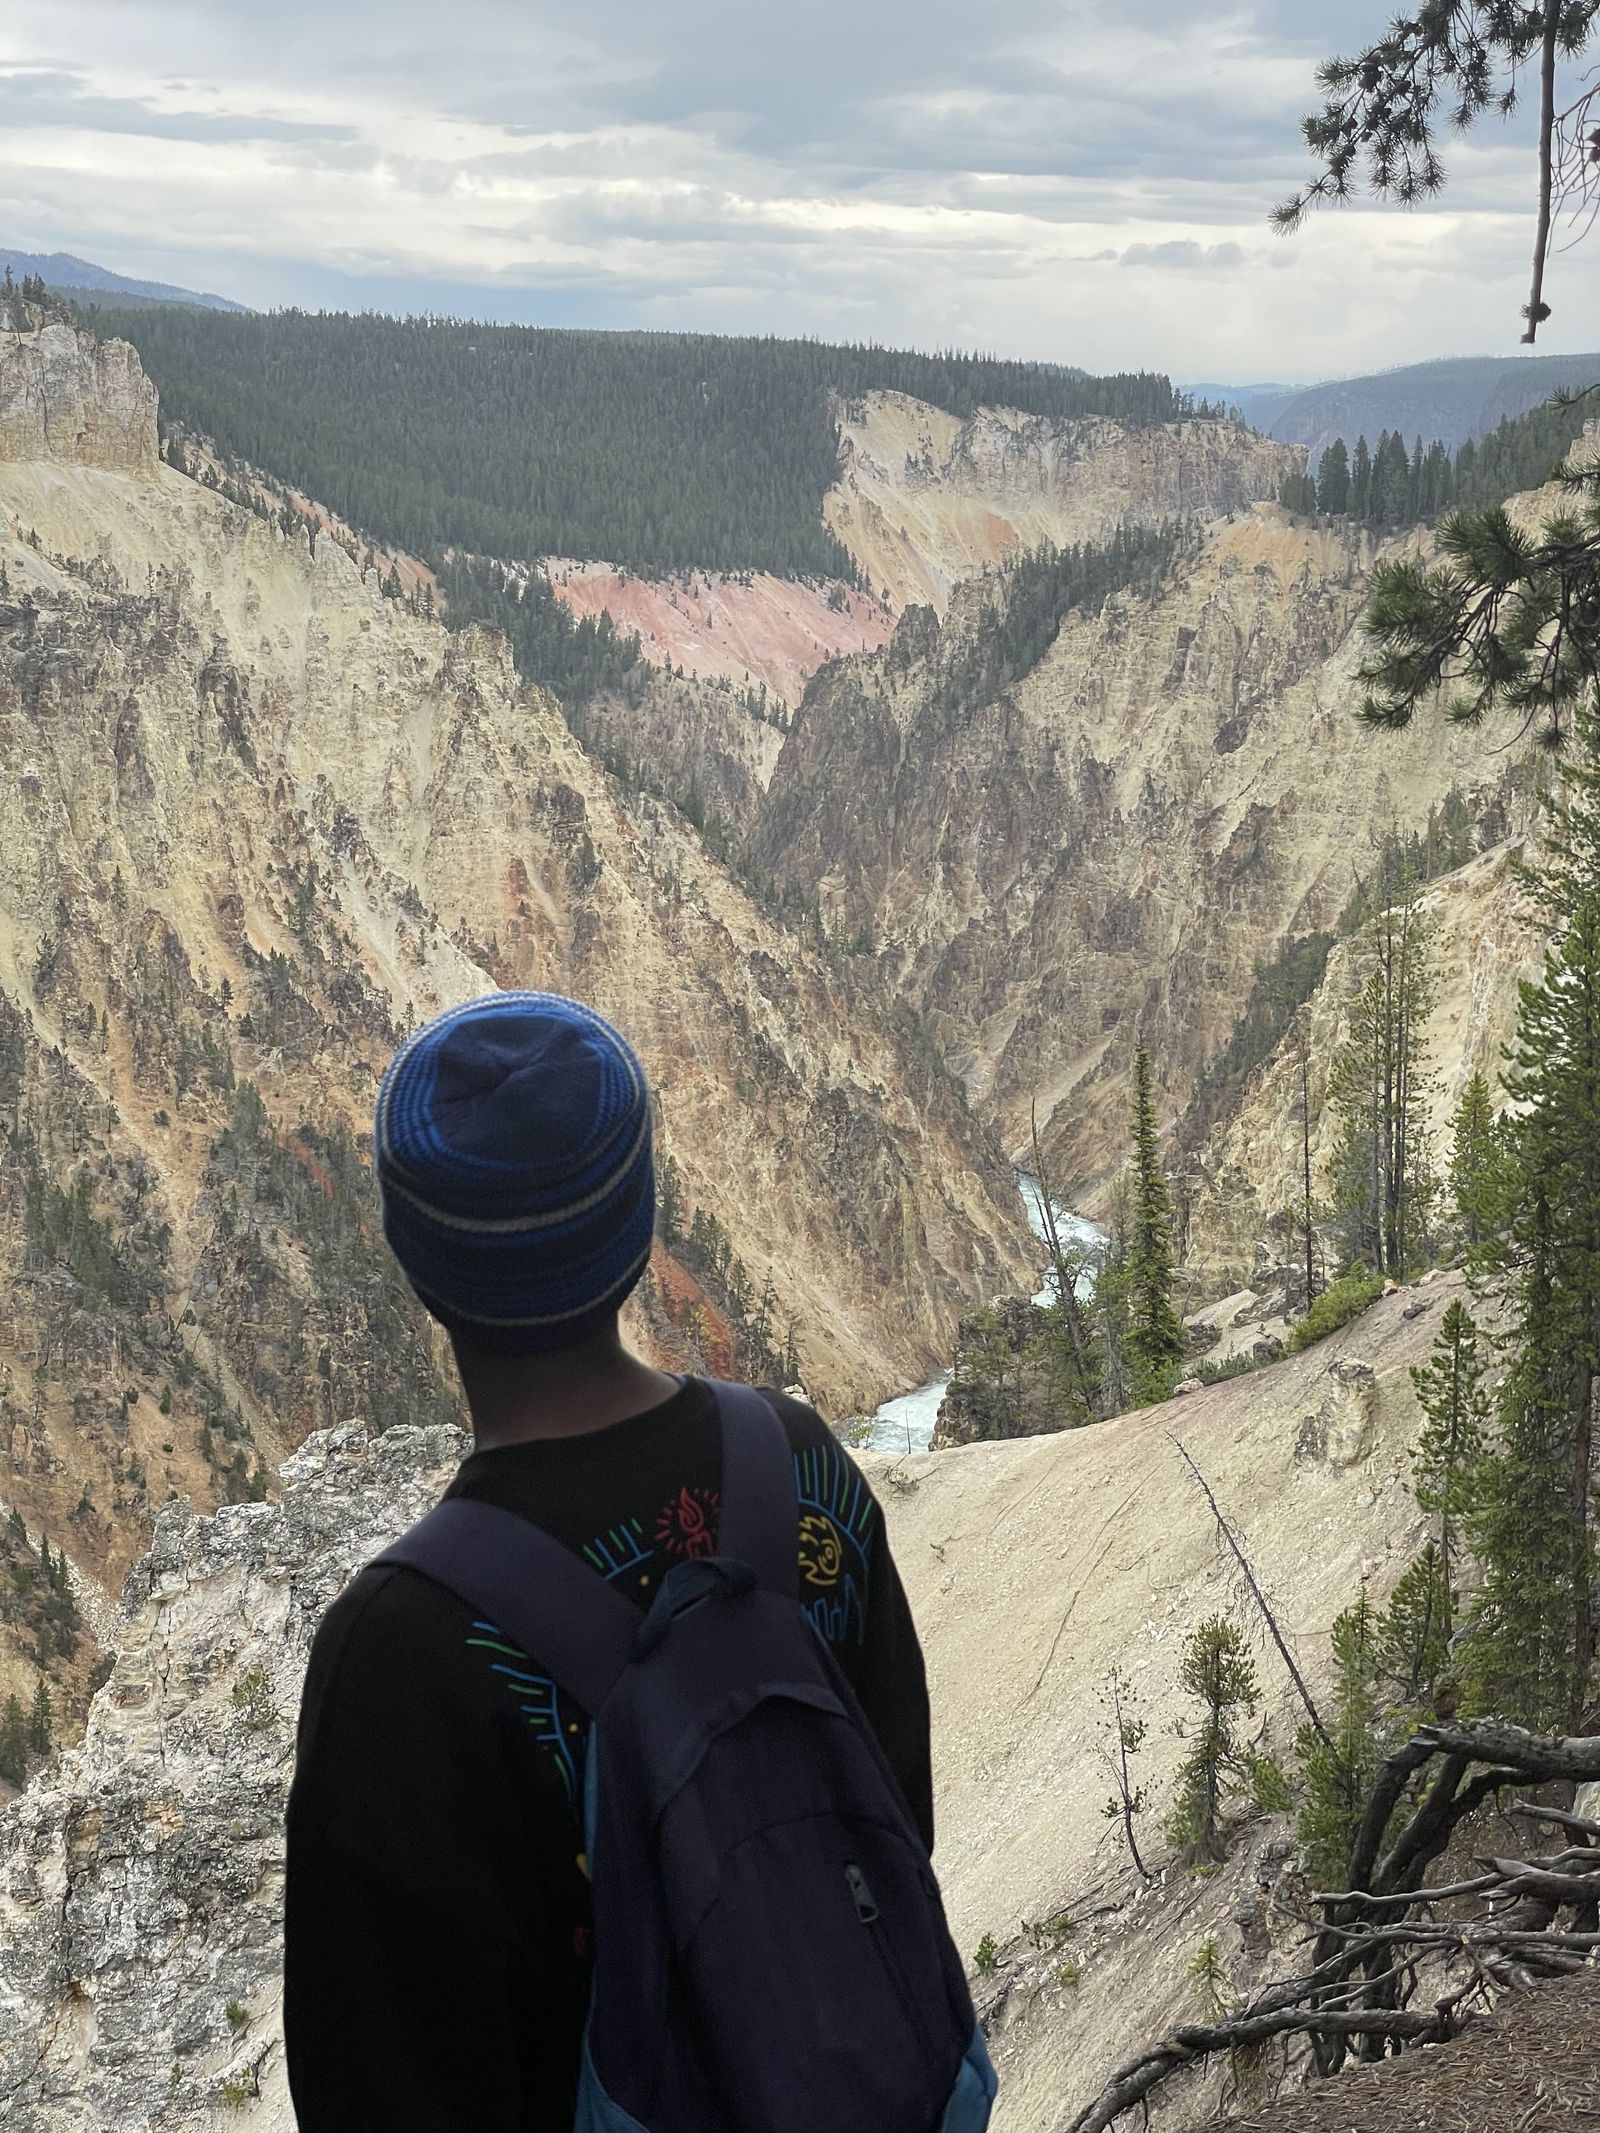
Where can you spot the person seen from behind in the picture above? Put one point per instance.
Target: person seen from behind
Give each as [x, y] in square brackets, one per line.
[613, 1803]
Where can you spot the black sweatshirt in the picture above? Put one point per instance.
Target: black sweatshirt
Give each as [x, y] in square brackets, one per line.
[437, 1928]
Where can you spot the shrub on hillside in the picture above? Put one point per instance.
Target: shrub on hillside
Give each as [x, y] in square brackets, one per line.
[1349, 1296]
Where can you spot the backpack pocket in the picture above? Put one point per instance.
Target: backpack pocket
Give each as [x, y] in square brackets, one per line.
[829, 1919]
[884, 1940]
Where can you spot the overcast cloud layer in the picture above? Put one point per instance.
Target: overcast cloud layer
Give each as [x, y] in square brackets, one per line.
[1049, 178]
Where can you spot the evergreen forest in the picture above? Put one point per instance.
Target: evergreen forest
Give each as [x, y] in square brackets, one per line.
[657, 451]
[1398, 485]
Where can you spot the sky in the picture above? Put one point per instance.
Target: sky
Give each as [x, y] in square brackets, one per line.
[1081, 183]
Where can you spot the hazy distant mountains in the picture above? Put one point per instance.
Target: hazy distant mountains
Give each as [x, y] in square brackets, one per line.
[1465, 396]
[81, 277]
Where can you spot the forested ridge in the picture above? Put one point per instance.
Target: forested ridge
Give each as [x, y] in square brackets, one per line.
[654, 450]
[1393, 485]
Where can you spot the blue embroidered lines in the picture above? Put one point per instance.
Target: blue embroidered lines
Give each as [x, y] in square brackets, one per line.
[540, 1703]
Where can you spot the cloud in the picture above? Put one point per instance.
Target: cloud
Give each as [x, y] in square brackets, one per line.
[1044, 177]
[1185, 256]
[56, 97]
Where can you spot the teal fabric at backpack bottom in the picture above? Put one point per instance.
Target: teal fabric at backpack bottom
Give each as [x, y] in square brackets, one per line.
[975, 2091]
[596, 2113]
[969, 2112]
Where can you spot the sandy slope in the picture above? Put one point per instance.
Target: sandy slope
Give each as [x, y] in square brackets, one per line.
[1035, 1567]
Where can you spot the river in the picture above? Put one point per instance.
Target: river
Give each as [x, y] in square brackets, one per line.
[906, 1424]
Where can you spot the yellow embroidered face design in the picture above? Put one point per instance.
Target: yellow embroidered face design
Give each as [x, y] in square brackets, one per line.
[821, 1549]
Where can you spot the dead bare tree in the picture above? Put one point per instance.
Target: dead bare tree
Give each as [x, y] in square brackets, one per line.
[1381, 1938]
[1235, 1548]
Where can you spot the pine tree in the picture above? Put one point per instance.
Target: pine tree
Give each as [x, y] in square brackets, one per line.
[1449, 1451]
[1113, 1362]
[1338, 1770]
[1333, 480]
[40, 1719]
[1391, 481]
[1128, 1731]
[1525, 1661]
[1219, 1673]
[1155, 1333]
[1414, 1637]
[1532, 1644]
[13, 1742]
[1449, 62]
[1068, 1330]
[1379, 1085]
[1361, 481]
[1481, 1171]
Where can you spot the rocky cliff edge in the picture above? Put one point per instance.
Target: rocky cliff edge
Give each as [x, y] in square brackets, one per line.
[64, 395]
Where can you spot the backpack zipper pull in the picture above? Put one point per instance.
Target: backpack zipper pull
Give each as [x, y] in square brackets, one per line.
[866, 1909]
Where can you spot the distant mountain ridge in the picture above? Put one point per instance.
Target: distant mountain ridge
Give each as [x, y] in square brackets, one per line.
[65, 271]
[1450, 400]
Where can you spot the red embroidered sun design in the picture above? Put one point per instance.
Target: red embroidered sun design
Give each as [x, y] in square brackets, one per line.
[688, 1525]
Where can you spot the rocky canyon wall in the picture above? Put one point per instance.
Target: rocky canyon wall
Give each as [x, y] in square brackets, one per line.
[65, 395]
[1099, 853]
[1483, 942]
[926, 499]
[255, 822]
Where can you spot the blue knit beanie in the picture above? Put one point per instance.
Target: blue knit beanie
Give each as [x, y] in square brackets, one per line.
[514, 1163]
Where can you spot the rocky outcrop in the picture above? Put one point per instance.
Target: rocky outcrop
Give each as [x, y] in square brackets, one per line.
[1033, 1569]
[141, 1874]
[1002, 1384]
[66, 396]
[1101, 852]
[925, 499]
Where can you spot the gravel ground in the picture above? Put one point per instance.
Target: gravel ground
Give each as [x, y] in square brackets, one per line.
[1533, 2066]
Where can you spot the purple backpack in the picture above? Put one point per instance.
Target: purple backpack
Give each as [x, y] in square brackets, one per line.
[771, 1954]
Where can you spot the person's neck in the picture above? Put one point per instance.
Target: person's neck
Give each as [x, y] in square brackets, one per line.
[570, 1392]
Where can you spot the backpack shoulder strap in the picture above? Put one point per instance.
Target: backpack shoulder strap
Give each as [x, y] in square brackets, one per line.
[760, 1520]
[564, 1615]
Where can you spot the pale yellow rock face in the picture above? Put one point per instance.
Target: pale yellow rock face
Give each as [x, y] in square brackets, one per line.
[230, 770]
[401, 755]
[1485, 942]
[66, 396]
[1102, 853]
[925, 499]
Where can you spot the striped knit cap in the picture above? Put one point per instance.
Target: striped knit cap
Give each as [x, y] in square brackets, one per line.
[514, 1163]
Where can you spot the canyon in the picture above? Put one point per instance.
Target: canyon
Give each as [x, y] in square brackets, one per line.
[259, 817]
[256, 820]
[1103, 851]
